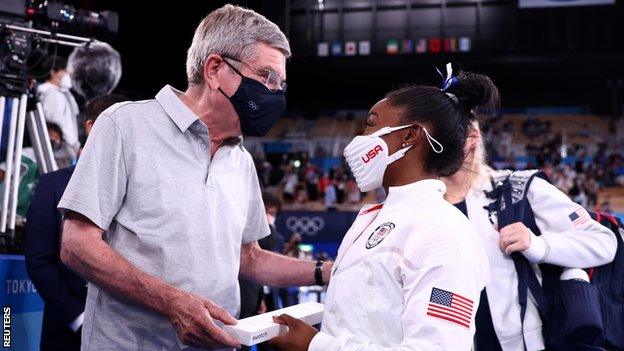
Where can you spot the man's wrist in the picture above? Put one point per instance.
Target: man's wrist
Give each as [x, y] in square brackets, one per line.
[167, 299]
[538, 248]
[318, 273]
[327, 270]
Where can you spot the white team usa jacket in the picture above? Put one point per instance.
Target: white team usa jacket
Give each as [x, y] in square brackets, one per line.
[408, 276]
[569, 238]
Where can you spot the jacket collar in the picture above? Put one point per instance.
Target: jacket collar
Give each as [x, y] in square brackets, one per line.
[421, 191]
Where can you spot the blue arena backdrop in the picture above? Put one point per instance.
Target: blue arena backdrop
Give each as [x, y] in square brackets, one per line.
[19, 293]
[323, 230]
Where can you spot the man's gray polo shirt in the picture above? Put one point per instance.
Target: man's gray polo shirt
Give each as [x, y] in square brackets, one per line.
[147, 178]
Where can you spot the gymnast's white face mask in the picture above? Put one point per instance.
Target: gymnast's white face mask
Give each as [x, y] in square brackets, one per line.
[367, 156]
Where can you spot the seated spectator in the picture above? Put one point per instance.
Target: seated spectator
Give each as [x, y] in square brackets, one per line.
[331, 195]
[354, 196]
[64, 153]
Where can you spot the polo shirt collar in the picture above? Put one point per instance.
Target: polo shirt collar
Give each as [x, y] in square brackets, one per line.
[169, 99]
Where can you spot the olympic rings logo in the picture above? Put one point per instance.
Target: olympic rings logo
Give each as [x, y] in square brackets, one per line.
[309, 226]
[253, 106]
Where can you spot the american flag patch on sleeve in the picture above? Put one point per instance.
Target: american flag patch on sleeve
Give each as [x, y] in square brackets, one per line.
[450, 307]
[579, 217]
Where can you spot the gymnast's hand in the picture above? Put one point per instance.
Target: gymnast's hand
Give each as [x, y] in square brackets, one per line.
[515, 237]
[299, 334]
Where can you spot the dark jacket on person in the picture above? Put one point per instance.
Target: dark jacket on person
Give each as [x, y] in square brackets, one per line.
[62, 290]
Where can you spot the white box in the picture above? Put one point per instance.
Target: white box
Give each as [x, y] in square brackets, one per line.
[260, 328]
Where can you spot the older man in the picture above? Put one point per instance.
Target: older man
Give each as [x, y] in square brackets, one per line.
[164, 206]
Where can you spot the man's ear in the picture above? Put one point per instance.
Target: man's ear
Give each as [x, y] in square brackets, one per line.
[211, 68]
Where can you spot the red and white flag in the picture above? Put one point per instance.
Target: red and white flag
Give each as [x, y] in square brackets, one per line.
[579, 217]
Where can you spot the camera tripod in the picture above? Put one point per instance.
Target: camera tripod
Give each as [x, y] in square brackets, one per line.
[25, 113]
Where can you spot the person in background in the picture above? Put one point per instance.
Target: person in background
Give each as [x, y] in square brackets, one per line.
[62, 290]
[164, 209]
[59, 105]
[290, 184]
[255, 298]
[569, 238]
[592, 191]
[409, 272]
[275, 243]
[354, 196]
[331, 195]
[64, 153]
[95, 71]
[577, 192]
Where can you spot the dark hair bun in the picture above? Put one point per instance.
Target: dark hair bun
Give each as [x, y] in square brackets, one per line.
[475, 91]
[431, 107]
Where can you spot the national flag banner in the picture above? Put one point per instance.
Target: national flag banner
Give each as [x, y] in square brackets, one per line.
[336, 48]
[323, 49]
[364, 47]
[450, 44]
[407, 46]
[421, 46]
[450, 307]
[579, 217]
[435, 45]
[392, 47]
[464, 44]
[350, 48]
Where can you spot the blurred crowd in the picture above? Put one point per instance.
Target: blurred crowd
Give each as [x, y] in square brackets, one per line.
[571, 167]
[581, 174]
[297, 180]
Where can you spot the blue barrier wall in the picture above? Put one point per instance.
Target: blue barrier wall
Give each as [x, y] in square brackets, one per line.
[19, 293]
[324, 230]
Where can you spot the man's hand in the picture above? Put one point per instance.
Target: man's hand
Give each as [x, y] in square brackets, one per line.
[515, 237]
[193, 317]
[299, 334]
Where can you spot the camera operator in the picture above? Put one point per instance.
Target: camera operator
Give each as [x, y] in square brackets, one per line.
[59, 105]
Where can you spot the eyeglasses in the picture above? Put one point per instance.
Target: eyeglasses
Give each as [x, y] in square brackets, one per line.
[272, 80]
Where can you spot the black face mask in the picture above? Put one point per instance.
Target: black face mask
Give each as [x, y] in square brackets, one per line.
[258, 108]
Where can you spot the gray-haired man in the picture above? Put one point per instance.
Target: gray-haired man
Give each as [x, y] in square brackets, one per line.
[179, 199]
